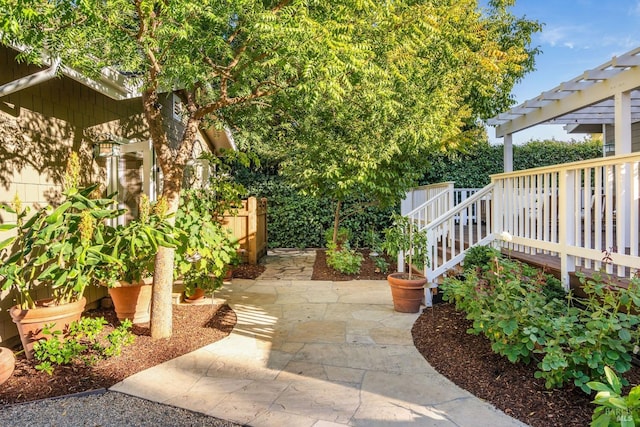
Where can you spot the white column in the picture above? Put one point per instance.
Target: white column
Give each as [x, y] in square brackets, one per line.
[623, 146]
[508, 153]
[566, 224]
[623, 122]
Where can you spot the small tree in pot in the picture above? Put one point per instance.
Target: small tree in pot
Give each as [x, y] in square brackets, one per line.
[404, 236]
[206, 250]
[134, 246]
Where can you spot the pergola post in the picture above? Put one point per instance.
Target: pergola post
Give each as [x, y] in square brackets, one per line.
[622, 108]
[508, 152]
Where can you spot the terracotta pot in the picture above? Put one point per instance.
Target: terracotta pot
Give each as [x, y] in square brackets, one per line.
[407, 294]
[7, 364]
[198, 294]
[133, 300]
[31, 322]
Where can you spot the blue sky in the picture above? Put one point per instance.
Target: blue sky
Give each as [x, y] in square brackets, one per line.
[577, 35]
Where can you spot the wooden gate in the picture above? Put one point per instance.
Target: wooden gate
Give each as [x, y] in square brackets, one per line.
[249, 226]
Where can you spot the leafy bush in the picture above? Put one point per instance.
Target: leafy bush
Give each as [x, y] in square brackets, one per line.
[480, 256]
[296, 220]
[83, 340]
[614, 409]
[471, 169]
[404, 236]
[344, 235]
[205, 249]
[344, 259]
[517, 308]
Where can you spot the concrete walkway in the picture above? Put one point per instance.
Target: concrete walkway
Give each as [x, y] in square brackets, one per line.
[311, 353]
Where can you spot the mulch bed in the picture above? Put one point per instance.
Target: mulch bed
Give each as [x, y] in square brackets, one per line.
[194, 326]
[367, 271]
[467, 360]
[248, 271]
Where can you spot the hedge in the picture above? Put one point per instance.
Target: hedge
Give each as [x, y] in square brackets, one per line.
[299, 221]
[472, 169]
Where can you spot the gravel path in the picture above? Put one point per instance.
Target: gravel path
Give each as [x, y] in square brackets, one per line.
[103, 409]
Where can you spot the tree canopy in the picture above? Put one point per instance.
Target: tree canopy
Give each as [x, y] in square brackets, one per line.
[363, 82]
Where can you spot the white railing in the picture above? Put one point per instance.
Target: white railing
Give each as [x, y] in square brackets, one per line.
[423, 196]
[587, 213]
[459, 196]
[451, 234]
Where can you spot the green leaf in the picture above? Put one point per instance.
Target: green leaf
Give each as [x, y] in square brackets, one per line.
[55, 216]
[624, 335]
[604, 420]
[613, 379]
[598, 386]
[7, 242]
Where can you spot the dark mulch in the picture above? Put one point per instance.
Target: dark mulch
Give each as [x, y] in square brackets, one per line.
[367, 271]
[194, 326]
[248, 271]
[467, 360]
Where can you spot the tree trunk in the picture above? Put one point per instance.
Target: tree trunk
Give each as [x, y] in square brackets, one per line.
[161, 303]
[336, 222]
[172, 164]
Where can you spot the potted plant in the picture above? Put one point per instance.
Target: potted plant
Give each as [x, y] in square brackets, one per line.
[135, 245]
[205, 250]
[7, 364]
[58, 249]
[407, 289]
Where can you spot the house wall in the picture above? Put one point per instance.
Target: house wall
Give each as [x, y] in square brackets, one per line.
[39, 127]
[610, 137]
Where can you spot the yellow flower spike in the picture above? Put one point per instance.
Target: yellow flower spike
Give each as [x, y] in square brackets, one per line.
[72, 173]
[161, 207]
[17, 204]
[87, 225]
[145, 208]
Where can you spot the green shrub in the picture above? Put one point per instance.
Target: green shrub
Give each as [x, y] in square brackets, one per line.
[344, 236]
[296, 220]
[471, 169]
[521, 311]
[480, 256]
[614, 409]
[82, 341]
[345, 260]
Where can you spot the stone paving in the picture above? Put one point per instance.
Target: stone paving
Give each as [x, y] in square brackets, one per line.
[288, 264]
[313, 353]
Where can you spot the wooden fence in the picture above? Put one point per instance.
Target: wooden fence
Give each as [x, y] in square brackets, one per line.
[249, 226]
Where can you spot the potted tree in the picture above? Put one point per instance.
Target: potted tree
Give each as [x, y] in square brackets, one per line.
[205, 250]
[407, 289]
[7, 364]
[58, 249]
[134, 246]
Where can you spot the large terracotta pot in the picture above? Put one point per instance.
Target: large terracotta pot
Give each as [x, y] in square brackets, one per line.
[133, 300]
[198, 295]
[7, 364]
[407, 294]
[31, 322]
